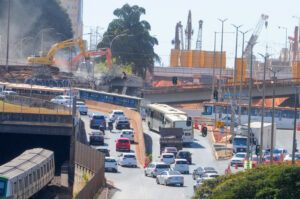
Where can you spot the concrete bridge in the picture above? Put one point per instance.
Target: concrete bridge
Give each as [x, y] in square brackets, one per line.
[198, 93]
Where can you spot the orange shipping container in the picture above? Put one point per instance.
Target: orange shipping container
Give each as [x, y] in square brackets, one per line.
[239, 69]
[174, 59]
[197, 58]
[184, 58]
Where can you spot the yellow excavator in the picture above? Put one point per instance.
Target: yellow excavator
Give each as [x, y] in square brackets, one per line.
[49, 58]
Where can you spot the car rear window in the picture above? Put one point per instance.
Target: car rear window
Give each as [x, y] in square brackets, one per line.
[80, 103]
[123, 122]
[123, 141]
[100, 117]
[214, 176]
[127, 132]
[129, 156]
[171, 149]
[110, 160]
[162, 166]
[209, 169]
[119, 113]
[181, 162]
[174, 173]
[168, 156]
[184, 153]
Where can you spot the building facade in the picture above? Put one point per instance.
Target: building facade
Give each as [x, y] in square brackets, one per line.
[75, 10]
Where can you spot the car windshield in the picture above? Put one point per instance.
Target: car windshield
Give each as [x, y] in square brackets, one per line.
[119, 113]
[174, 173]
[99, 117]
[80, 103]
[209, 169]
[168, 156]
[102, 150]
[240, 155]
[109, 160]
[123, 141]
[184, 154]
[171, 149]
[122, 122]
[213, 175]
[181, 162]
[129, 156]
[127, 132]
[162, 166]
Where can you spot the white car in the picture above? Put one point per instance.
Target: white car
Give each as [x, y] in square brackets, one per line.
[81, 107]
[127, 159]
[239, 159]
[111, 164]
[170, 178]
[62, 99]
[168, 158]
[206, 176]
[127, 133]
[115, 114]
[288, 157]
[155, 168]
[181, 165]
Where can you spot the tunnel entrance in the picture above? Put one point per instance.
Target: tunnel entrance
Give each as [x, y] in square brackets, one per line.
[13, 145]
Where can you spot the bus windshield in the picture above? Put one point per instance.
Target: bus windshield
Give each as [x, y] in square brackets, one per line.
[2, 188]
[240, 141]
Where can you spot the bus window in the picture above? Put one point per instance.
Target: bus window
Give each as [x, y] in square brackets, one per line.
[189, 121]
[207, 110]
[151, 114]
[2, 188]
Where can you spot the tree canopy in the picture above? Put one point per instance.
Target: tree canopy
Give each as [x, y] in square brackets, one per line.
[29, 17]
[263, 181]
[130, 40]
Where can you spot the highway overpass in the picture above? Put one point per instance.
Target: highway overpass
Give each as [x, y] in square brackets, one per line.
[196, 93]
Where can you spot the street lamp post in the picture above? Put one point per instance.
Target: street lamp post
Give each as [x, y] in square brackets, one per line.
[250, 101]
[42, 39]
[263, 100]
[234, 80]
[242, 73]
[295, 123]
[221, 59]
[7, 36]
[273, 115]
[214, 68]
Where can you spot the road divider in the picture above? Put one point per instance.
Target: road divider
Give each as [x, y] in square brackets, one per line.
[135, 121]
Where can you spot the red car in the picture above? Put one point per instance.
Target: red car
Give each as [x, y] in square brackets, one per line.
[170, 150]
[268, 158]
[255, 160]
[123, 144]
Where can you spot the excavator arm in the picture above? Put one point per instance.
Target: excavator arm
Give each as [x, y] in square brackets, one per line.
[48, 59]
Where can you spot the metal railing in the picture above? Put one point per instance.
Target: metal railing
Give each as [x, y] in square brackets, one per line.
[22, 104]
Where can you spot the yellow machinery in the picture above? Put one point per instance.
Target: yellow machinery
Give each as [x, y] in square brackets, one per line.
[49, 58]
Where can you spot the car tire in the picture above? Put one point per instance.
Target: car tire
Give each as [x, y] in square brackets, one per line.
[187, 172]
[145, 173]
[181, 185]
[157, 181]
[165, 183]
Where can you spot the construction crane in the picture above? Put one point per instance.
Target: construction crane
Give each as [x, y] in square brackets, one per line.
[49, 58]
[176, 41]
[92, 53]
[261, 22]
[199, 38]
[188, 32]
[294, 45]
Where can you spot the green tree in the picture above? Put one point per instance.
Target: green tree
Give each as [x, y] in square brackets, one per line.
[130, 40]
[263, 182]
[29, 17]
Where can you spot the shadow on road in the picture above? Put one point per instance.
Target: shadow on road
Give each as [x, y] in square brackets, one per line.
[194, 145]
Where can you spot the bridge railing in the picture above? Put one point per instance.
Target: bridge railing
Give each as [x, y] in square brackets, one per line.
[22, 104]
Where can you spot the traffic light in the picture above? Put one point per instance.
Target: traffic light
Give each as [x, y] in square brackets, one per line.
[216, 95]
[257, 149]
[204, 131]
[174, 80]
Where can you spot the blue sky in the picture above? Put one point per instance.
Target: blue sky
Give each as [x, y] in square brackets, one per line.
[164, 14]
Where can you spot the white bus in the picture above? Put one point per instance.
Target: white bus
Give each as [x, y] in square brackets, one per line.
[164, 116]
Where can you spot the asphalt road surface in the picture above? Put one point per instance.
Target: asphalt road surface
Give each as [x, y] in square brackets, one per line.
[132, 183]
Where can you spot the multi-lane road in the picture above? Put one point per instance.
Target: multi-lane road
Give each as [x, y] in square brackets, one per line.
[132, 183]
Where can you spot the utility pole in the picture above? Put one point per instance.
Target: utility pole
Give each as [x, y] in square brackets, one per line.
[263, 103]
[273, 113]
[233, 103]
[295, 121]
[7, 36]
[242, 74]
[250, 101]
[221, 59]
[214, 68]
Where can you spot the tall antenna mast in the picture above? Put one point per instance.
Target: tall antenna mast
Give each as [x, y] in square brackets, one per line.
[199, 38]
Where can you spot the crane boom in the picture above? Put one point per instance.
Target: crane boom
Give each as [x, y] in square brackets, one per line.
[262, 21]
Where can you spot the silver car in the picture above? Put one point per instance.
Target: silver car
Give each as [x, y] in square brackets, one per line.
[170, 178]
[155, 168]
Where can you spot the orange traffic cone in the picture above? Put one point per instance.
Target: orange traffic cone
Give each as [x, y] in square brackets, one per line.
[236, 166]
